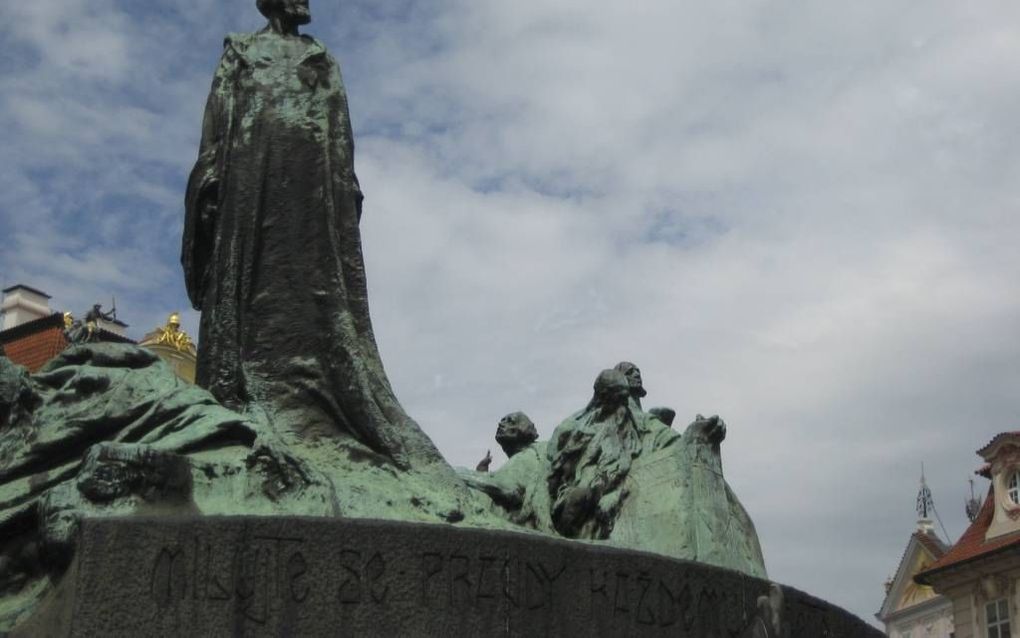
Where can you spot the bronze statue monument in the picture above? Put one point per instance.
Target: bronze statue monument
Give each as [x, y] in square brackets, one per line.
[289, 493]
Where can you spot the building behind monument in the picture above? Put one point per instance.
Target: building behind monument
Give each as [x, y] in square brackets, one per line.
[980, 574]
[910, 609]
[32, 332]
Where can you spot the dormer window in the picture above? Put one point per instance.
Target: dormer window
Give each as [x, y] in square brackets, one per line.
[1013, 487]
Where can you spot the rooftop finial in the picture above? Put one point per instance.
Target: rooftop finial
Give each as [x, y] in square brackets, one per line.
[925, 504]
[973, 504]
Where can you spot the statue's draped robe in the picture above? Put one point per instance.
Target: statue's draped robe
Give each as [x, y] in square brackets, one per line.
[591, 454]
[277, 269]
[655, 435]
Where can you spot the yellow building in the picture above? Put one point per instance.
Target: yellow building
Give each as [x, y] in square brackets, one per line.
[174, 346]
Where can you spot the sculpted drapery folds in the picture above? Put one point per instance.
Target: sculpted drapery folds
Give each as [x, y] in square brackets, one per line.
[272, 248]
[590, 455]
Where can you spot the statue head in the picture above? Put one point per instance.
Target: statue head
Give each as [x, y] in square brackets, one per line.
[666, 415]
[515, 432]
[174, 321]
[633, 374]
[290, 11]
[612, 389]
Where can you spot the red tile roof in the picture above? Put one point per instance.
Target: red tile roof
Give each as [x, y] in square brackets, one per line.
[998, 437]
[972, 544]
[932, 543]
[35, 342]
[35, 349]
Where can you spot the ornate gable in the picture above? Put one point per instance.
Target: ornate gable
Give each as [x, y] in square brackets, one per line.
[904, 594]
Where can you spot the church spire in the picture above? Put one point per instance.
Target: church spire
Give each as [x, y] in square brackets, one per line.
[925, 506]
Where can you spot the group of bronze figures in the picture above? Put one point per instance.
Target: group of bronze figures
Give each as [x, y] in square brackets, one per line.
[615, 471]
[573, 484]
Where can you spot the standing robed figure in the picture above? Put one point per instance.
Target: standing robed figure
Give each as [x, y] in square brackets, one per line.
[272, 248]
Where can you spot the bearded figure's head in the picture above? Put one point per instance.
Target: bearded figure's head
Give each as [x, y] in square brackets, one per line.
[291, 11]
[515, 432]
[633, 374]
[612, 391]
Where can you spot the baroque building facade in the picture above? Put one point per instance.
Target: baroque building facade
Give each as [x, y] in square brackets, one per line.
[980, 574]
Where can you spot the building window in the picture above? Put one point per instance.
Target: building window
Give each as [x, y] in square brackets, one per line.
[1013, 489]
[997, 619]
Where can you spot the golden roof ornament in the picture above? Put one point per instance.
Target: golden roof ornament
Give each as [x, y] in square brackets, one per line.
[171, 335]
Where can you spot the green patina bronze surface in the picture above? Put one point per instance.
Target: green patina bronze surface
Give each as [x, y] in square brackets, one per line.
[108, 429]
[617, 474]
[679, 504]
[272, 254]
[293, 413]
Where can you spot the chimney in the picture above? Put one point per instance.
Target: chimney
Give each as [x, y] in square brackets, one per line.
[22, 304]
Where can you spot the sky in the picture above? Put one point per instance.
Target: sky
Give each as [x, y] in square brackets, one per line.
[799, 215]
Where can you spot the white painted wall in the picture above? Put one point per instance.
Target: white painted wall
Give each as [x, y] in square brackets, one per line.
[21, 305]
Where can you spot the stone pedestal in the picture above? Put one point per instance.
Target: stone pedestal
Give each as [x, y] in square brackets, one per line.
[251, 576]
